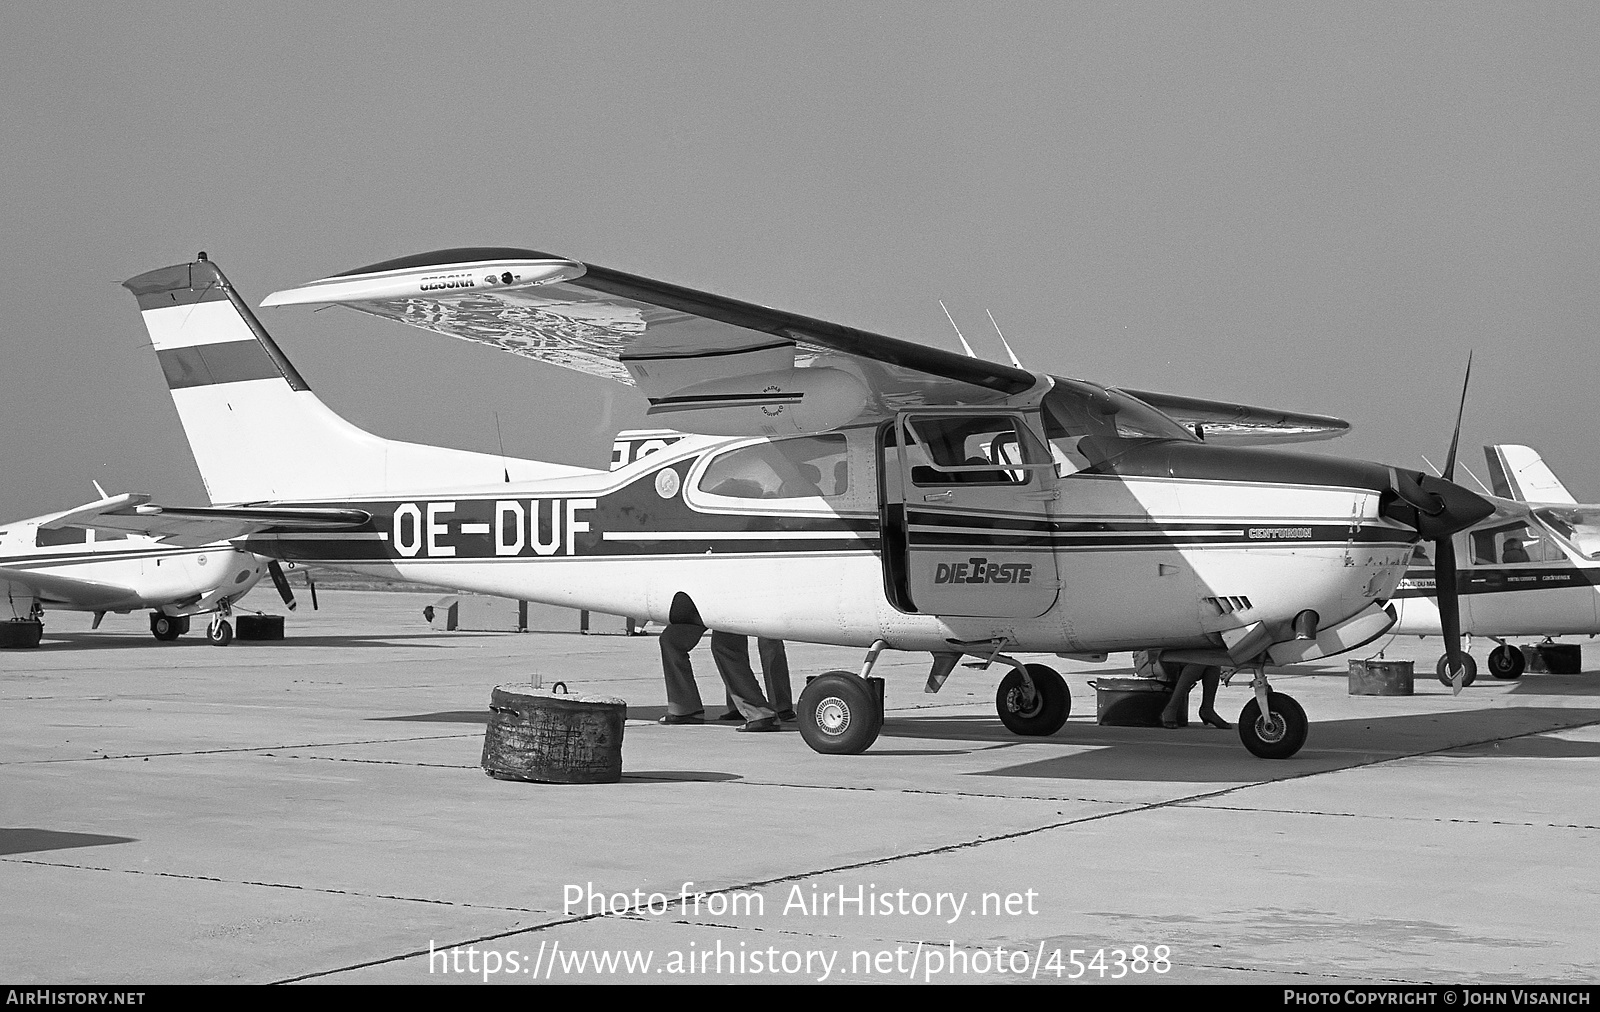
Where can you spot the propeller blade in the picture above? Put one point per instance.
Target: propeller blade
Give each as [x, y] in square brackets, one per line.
[1455, 439]
[312, 586]
[1444, 584]
[275, 570]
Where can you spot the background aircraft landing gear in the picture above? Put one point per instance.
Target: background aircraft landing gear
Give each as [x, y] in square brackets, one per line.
[1280, 734]
[1036, 711]
[167, 628]
[1442, 669]
[219, 633]
[1507, 662]
[839, 714]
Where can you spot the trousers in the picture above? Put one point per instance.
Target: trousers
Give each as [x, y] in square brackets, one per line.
[733, 651]
[683, 696]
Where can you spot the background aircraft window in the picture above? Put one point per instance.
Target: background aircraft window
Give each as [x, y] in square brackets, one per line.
[98, 535]
[1578, 527]
[65, 536]
[1512, 544]
[791, 468]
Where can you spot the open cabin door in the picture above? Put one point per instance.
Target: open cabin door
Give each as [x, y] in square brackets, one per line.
[966, 500]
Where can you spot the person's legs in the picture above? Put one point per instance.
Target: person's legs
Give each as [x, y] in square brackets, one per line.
[732, 654]
[1187, 676]
[683, 696]
[1208, 696]
[775, 672]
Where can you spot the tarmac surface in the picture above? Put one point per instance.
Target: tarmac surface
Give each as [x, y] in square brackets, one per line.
[314, 809]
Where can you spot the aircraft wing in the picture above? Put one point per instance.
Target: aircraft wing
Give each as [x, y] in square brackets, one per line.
[61, 589]
[203, 525]
[706, 363]
[1242, 424]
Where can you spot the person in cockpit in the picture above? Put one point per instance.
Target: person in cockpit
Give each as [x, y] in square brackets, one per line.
[1514, 552]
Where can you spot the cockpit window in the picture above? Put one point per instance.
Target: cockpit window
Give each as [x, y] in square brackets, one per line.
[793, 468]
[1087, 424]
[964, 449]
[1511, 544]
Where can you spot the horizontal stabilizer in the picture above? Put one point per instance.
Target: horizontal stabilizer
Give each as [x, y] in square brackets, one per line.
[203, 525]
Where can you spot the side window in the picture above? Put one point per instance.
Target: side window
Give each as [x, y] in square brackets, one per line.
[1510, 545]
[966, 449]
[64, 536]
[793, 468]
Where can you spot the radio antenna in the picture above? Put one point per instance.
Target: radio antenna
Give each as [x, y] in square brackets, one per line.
[965, 346]
[1009, 353]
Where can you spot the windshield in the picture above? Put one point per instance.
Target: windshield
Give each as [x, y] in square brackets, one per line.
[1578, 526]
[1087, 424]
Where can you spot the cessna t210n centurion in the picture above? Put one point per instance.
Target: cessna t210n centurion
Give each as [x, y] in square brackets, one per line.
[830, 486]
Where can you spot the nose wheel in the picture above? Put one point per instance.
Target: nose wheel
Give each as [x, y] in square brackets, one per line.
[1464, 659]
[1277, 734]
[219, 633]
[1036, 705]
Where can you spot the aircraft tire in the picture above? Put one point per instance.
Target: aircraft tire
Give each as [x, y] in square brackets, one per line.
[1507, 662]
[839, 714]
[1442, 669]
[164, 627]
[1281, 736]
[219, 634]
[1052, 702]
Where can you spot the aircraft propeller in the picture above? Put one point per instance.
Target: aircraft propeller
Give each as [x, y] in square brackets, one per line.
[1444, 562]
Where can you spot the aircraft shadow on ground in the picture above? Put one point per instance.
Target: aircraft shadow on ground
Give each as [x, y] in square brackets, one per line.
[29, 840]
[1198, 754]
[121, 641]
[1585, 684]
[646, 713]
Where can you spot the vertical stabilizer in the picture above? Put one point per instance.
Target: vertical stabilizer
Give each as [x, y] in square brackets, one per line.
[1517, 472]
[257, 431]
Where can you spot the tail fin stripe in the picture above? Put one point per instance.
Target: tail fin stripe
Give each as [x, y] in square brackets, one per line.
[207, 364]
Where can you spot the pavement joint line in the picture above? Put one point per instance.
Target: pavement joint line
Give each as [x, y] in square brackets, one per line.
[228, 751]
[918, 790]
[377, 762]
[265, 885]
[927, 852]
[1396, 818]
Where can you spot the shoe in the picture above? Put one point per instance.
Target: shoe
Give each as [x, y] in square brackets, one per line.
[764, 724]
[732, 715]
[788, 716]
[698, 717]
[1210, 717]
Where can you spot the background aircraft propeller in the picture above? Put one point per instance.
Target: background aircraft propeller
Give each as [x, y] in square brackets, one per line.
[275, 570]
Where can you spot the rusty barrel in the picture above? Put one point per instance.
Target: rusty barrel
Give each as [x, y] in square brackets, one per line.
[550, 737]
[1381, 678]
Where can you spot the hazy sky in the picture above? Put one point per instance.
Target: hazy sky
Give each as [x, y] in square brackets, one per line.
[1314, 206]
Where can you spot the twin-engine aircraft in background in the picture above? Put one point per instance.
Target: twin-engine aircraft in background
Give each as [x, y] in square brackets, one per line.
[63, 561]
[1531, 569]
[831, 486]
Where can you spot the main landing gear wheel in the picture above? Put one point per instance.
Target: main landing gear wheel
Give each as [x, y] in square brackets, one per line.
[166, 628]
[839, 714]
[1035, 714]
[1280, 734]
[1442, 669]
[219, 633]
[1507, 662]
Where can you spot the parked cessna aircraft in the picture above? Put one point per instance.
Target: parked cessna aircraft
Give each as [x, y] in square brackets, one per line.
[1531, 569]
[836, 487]
[56, 561]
